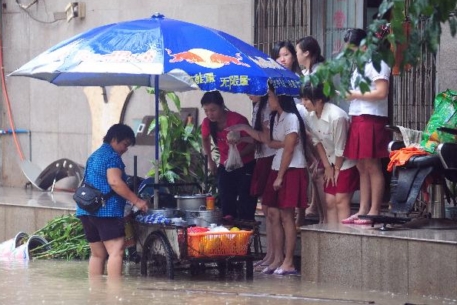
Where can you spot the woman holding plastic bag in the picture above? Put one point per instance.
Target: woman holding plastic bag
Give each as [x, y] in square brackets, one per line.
[233, 177]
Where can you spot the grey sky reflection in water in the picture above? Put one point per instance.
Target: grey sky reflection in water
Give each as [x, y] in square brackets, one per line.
[66, 282]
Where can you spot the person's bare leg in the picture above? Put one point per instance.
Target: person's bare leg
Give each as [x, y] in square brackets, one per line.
[290, 236]
[343, 205]
[332, 213]
[269, 256]
[113, 288]
[365, 187]
[278, 237]
[301, 215]
[312, 208]
[97, 259]
[320, 195]
[377, 184]
[115, 249]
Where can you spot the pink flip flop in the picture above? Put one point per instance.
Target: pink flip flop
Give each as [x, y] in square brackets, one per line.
[363, 222]
[351, 219]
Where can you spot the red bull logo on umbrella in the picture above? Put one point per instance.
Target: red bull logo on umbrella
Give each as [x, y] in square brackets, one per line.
[206, 58]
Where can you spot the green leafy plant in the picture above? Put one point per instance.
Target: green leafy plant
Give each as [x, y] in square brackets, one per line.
[180, 144]
[425, 19]
[66, 240]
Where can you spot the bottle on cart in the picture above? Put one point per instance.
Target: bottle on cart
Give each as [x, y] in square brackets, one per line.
[210, 203]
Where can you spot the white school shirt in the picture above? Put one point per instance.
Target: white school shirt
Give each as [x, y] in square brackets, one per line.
[360, 106]
[331, 130]
[266, 151]
[288, 123]
[306, 72]
[305, 115]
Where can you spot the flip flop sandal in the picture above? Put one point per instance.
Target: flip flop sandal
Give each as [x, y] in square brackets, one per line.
[260, 268]
[363, 222]
[282, 272]
[268, 271]
[351, 219]
[260, 263]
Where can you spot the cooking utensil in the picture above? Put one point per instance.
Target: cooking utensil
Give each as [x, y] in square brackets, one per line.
[191, 202]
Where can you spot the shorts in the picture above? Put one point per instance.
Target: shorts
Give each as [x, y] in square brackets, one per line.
[260, 176]
[368, 138]
[102, 228]
[292, 194]
[348, 182]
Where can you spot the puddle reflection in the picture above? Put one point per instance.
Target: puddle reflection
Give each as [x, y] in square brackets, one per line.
[66, 282]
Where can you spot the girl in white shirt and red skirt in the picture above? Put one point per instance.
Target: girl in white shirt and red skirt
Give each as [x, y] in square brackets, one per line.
[368, 138]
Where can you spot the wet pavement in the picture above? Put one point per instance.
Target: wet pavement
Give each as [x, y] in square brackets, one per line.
[66, 282]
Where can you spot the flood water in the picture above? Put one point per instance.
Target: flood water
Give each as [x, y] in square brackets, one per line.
[66, 282]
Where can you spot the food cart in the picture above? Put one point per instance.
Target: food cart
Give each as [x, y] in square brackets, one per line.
[166, 247]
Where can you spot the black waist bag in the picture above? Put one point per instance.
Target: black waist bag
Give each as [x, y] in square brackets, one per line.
[89, 198]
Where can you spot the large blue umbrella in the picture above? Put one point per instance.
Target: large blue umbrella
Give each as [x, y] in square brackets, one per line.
[175, 54]
[163, 53]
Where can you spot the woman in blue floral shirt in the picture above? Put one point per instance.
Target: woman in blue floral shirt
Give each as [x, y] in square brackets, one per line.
[104, 229]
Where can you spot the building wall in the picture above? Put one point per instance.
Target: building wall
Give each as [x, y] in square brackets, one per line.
[446, 63]
[69, 122]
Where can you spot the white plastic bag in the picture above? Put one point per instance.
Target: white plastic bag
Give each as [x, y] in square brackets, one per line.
[234, 159]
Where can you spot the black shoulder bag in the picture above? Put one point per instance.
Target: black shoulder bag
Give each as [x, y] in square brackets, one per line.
[89, 198]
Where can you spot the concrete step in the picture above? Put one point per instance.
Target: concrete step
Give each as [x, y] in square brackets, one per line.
[401, 260]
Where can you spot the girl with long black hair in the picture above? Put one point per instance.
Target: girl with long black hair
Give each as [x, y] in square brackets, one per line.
[264, 157]
[233, 186]
[287, 184]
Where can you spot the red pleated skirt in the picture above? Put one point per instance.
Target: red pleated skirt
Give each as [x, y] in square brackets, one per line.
[368, 138]
[348, 182]
[260, 176]
[292, 194]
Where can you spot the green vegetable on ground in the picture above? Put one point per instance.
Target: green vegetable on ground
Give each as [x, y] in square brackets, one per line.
[66, 240]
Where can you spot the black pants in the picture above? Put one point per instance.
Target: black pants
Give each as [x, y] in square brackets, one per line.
[234, 190]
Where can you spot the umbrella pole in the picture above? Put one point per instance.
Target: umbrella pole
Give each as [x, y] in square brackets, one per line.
[156, 162]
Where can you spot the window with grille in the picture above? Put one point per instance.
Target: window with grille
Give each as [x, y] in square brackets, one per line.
[277, 20]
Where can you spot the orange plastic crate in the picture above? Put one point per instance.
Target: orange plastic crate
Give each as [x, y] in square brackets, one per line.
[213, 244]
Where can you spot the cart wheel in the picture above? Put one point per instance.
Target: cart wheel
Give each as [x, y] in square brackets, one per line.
[157, 258]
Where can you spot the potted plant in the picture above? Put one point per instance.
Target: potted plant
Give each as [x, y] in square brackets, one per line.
[180, 144]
